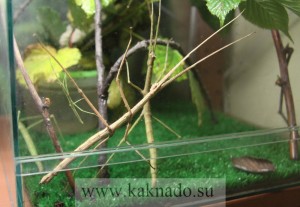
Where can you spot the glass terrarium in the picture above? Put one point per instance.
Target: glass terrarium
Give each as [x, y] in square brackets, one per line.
[168, 102]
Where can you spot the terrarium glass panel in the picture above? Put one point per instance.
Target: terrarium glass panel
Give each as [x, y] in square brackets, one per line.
[9, 185]
[146, 91]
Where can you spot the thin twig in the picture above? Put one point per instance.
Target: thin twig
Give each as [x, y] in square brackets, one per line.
[21, 9]
[80, 91]
[42, 108]
[167, 127]
[281, 97]
[122, 140]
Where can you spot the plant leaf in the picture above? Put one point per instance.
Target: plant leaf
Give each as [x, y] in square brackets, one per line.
[106, 3]
[267, 14]
[42, 68]
[221, 8]
[212, 20]
[165, 60]
[293, 5]
[88, 6]
[78, 17]
[52, 24]
[197, 96]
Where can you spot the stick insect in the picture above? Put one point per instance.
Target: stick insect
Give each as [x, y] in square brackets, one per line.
[73, 105]
[154, 89]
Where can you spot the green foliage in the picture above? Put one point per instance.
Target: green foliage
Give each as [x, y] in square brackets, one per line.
[197, 96]
[165, 60]
[221, 8]
[115, 102]
[114, 98]
[293, 5]
[88, 6]
[81, 12]
[78, 17]
[42, 68]
[268, 14]
[52, 24]
[209, 18]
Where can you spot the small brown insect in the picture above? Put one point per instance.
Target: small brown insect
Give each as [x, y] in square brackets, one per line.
[253, 165]
[46, 102]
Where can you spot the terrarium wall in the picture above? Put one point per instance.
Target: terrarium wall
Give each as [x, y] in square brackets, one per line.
[251, 93]
[7, 165]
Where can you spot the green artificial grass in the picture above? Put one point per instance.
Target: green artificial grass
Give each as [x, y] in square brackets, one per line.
[182, 117]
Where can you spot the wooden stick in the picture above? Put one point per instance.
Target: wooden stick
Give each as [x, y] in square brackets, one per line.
[283, 59]
[102, 103]
[42, 107]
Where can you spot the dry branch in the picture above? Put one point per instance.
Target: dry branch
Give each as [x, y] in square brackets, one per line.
[42, 106]
[283, 58]
[99, 62]
[102, 103]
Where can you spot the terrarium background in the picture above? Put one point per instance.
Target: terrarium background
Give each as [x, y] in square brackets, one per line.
[240, 82]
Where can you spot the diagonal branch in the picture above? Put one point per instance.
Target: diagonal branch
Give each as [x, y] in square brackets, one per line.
[21, 9]
[43, 106]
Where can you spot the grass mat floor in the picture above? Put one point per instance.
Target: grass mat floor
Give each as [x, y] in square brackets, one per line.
[216, 164]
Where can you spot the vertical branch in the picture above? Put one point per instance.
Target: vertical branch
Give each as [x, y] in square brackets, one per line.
[99, 61]
[147, 86]
[283, 58]
[43, 107]
[102, 100]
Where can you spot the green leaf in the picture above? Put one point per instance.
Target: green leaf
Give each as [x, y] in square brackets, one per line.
[197, 96]
[267, 14]
[115, 102]
[166, 59]
[88, 6]
[52, 24]
[42, 68]
[78, 17]
[106, 3]
[221, 8]
[293, 5]
[210, 19]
